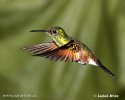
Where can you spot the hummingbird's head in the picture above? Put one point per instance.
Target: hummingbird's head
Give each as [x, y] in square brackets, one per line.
[57, 34]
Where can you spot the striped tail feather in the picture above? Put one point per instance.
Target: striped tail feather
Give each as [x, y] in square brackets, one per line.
[104, 68]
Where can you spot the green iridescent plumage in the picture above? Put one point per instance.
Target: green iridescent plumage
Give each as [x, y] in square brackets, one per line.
[65, 48]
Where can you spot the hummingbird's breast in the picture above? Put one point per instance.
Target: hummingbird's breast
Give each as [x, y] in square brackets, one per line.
[60, 41]
[85, 54]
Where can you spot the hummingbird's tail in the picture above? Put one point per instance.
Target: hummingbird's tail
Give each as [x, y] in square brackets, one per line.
[104, 68]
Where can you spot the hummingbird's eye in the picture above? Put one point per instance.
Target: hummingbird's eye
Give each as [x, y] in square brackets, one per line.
[54, 31]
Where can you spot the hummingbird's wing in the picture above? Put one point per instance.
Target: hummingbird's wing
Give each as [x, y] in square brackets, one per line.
[68, 51]
[41, 48]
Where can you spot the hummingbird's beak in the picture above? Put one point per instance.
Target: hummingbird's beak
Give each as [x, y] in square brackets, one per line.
[39, 31]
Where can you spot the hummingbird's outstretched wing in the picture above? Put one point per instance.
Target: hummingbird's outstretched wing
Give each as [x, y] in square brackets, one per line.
[68, 51]
[41, 48]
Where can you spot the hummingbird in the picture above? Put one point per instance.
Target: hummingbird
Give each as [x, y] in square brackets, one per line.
[65, 48]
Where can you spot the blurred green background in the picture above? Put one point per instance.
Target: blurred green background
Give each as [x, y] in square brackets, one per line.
[98, 23]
